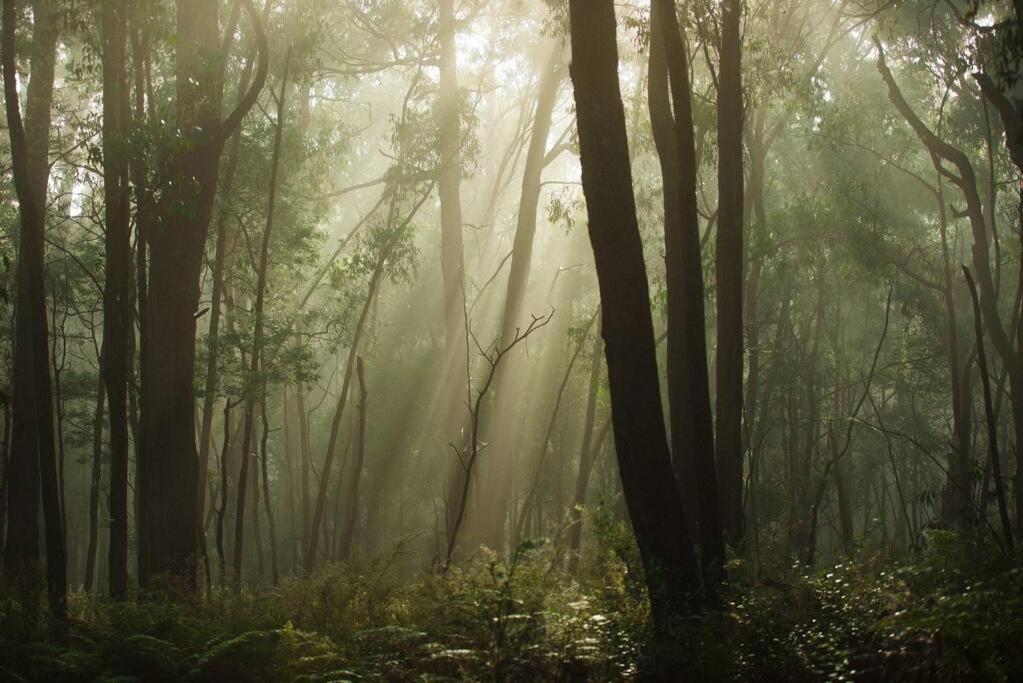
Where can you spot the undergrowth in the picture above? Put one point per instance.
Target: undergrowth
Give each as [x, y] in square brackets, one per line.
[953, 612]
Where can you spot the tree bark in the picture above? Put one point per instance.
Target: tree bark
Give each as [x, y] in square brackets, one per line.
[117, 308]
[168, 467]
[692, 429]
[730, 262]
[33, 464]
[651, 492]
[992, 427]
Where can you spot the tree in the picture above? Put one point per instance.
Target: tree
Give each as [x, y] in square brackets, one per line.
[498, 482]
[33, 462]
[692, 429]
[644, 461]
[117, 308]
[168, 468]
[730, 261]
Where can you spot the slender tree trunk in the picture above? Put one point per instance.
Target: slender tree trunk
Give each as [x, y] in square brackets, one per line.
[271, 523]
[452, 260]
[221, 511]
[95, 481]
[651, 492]
[730, 262]
[496, 470]
[216, 296]
[117, 311]
[257, 334]
[575, 529]
[992, 427]
[6, 455]
[354, 479]
[305, 452]
[321, 498]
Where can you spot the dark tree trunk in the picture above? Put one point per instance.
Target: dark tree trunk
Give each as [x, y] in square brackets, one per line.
[117, 310]
[651, 492]
[305, 452]
[730, 262]
[33, 463]
[692, 429]
[222, 510]
[168, 465]
[989, 414]
[964, 177]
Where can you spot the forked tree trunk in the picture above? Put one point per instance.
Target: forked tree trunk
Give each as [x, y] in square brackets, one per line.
[168, 467]
[692, 429]
[644, 459]
[33, 464]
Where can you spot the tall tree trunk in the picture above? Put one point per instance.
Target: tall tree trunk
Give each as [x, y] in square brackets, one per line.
[169, 519]
[452, 262]
[257, 334]
[264, 455]
[117, 311]
[222, 510]
[651, 492]
[305, 452]
[964, 177]
[321, 498]
[212, 380]
[956, 508]
[730, 262]
[6, 456]
[33, 464]
[992, 427]
[692, 429]
[497, 470]
[95, 479]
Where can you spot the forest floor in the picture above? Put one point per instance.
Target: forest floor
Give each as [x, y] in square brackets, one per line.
[945, 614]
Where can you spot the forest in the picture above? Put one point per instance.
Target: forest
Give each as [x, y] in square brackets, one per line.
[511, 340]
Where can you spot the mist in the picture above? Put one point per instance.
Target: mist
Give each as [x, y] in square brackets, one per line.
[504, 340]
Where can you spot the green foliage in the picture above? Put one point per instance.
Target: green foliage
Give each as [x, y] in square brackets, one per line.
[956, 612]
